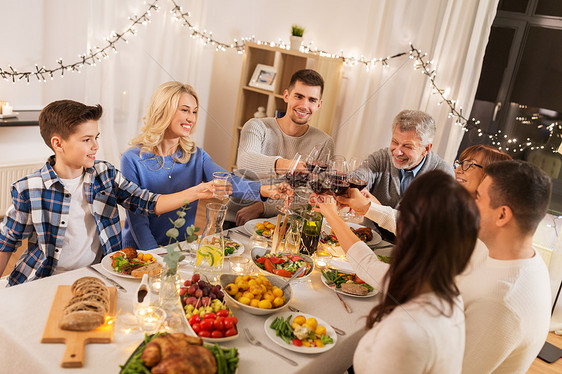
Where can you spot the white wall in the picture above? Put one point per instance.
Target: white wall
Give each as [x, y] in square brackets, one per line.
[41, 31]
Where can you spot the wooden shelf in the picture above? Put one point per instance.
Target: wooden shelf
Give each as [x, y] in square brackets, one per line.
[286, 63]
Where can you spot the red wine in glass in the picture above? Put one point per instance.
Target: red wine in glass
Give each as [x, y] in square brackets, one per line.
[318, 186]
[297, 178]
[322, 166]
[357, 183]
[339, 184]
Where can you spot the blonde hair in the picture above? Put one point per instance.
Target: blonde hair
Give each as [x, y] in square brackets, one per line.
[161, 109]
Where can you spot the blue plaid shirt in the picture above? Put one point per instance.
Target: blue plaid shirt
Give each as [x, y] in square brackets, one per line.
[40, 212]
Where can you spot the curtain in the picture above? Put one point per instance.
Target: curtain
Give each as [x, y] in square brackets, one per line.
[454, 33]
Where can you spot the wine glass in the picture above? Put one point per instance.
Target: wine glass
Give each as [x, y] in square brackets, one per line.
[358, 178]
[296, 176]
[317, 159]
[337, 175]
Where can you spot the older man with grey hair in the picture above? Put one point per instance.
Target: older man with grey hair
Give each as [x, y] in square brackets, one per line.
[409, 155]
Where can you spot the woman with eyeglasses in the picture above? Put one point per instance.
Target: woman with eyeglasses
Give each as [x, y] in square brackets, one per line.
[469, 168]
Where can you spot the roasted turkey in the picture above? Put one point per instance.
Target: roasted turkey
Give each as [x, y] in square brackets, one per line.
[178, 354]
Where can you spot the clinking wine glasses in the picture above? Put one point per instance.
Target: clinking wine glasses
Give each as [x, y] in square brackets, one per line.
[337, 175]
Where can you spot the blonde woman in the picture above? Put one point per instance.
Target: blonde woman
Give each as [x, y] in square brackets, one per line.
[164, 159]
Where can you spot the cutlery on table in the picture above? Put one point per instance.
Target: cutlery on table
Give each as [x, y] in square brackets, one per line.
[111, 281]
[347, 308]
[243, 233]
[338, 331]
[256, 342]
[299, 271]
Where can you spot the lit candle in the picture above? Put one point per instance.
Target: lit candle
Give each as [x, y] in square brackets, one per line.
[239, 264]
[150, 318]
[6, 109]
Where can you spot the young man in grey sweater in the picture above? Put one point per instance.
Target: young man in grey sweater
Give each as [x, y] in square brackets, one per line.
[268, 145]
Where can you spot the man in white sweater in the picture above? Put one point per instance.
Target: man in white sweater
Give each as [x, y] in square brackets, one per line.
[268, 144]
[505, 288]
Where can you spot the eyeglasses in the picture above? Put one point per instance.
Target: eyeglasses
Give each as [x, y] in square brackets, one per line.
[465, 165]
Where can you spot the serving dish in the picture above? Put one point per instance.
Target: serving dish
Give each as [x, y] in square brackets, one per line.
[226, 279]
[258, 252]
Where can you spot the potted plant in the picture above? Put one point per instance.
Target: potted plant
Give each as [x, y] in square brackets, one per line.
[296, 36]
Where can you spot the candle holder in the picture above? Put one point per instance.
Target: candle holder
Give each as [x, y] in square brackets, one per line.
[150, 318]
[239, 264]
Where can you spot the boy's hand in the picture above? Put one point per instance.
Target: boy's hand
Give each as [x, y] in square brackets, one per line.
[356, 200]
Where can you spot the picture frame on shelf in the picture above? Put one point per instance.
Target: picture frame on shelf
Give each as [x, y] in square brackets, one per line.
[264, 77]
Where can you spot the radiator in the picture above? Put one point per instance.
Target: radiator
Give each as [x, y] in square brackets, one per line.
[8, 175]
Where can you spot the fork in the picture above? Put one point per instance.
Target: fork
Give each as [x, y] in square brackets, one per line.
[256, 342]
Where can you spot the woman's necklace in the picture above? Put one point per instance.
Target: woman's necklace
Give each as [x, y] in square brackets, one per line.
[172, 168]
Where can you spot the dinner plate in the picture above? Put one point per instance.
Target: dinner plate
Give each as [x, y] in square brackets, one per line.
[238, 251]
[325, 282]
[327, 229]
[250, 226]
[106, 265]
[271, 334]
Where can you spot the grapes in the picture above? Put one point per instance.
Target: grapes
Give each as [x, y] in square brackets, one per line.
[199, 289]
[212, 296]
[195, 278]
[202, 284]
[191, 290]
[198, 293]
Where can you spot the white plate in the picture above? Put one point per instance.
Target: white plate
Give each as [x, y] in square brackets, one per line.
[327, 229]
[250, 226]
[271, 334]
[237, 252]
[106, 265]
[342, 265]
[325, 282]
[11, 115]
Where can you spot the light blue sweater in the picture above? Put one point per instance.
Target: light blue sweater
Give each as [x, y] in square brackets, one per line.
[146, 233]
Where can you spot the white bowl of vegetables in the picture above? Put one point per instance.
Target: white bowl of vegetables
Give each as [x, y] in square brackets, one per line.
[283, 265]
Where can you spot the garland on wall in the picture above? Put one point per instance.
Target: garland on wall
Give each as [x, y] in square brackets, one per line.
[421, 63]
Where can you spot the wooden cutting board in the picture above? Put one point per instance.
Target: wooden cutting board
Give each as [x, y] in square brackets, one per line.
[75, 340]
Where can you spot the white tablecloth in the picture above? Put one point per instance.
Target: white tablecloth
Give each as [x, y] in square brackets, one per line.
[25, 309]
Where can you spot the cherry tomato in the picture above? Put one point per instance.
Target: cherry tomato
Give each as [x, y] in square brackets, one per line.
[217, 334]
[228, 324]
[276, 260]
[194, 319]
[222, 313]
[282, 273]
[196, 328]
[230, 332]
[358, 280]
[232, 320]
[212, 316]
[207, 324]
[296, 342]
[218, 324]
[297, 258]
[204, 334]
[269, 265]
[261, 260]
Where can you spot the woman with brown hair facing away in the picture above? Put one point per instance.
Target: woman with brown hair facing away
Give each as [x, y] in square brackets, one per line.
[418, 327]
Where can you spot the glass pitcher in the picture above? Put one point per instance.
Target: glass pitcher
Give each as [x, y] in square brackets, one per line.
[210, 252]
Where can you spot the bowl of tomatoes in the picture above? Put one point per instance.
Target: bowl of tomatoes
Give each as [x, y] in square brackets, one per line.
[283, 264]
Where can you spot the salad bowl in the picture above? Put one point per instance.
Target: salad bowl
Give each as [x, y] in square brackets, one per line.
[281, 264]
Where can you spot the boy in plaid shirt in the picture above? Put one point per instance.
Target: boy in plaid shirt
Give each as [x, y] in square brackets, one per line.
[68, 209]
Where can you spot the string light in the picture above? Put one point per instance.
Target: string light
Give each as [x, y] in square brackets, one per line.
[420, 62]
[94, 55]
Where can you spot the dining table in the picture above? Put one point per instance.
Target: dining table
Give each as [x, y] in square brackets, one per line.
[25, 309]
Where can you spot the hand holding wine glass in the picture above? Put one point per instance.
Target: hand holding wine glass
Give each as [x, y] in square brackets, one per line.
[337, 175]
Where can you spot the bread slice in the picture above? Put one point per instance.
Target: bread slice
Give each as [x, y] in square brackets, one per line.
[83, 320]
[150, 269]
